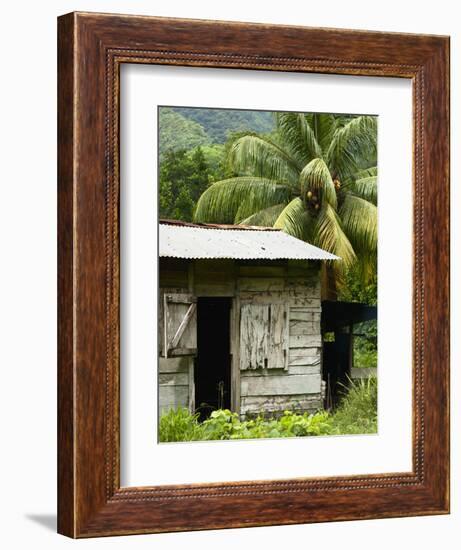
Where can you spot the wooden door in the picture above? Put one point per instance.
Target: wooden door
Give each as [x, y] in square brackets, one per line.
[263, 336]
[179, 325]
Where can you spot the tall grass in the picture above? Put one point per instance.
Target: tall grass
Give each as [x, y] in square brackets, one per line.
[179, 425]
[358, 410]
[356, 414]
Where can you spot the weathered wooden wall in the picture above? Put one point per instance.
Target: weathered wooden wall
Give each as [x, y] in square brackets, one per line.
[175, 383]
[277, 344]
[296, 384]
[176, 374]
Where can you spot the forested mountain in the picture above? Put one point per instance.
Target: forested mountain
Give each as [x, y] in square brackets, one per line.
[219, 123]
[177, 132]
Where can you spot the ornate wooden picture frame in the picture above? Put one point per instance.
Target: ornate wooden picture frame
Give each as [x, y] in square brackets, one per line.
[92, 48]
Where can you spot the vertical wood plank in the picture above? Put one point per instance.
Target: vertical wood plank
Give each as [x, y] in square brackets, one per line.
[276, 337]
[253, 336]
[235, 355]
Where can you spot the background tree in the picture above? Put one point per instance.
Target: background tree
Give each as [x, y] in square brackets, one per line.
[183, 177]
[316, 179]
[177, 133]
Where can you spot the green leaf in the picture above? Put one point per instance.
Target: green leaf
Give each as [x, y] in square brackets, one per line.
[316, 176]
[264, 218]
[298, 137]
[262, 158]
[367, 172]
[352, 145]
[324, 126]
[331, 237]
[360, 222]
[296, 220]
[367, 188]
[233, 200]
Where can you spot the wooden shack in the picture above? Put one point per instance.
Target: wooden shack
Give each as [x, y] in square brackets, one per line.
[239, 319]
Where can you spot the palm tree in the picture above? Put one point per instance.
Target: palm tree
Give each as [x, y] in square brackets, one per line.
[315, 179]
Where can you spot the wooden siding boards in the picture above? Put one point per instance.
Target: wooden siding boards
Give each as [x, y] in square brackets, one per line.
[173, 397]
[174, 383]
[255, 405]
[292, 291]
[275, 337]
[290, 384]
[254, 326]
[180, 324]
[214, 278]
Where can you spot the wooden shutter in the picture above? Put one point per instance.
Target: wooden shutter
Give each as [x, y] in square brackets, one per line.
[179, 325]
[278, 336]
[263, 336]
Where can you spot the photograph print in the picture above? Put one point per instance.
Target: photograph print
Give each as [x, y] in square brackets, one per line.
[267, 261]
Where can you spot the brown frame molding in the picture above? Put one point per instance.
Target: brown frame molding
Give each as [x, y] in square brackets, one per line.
[91, 49]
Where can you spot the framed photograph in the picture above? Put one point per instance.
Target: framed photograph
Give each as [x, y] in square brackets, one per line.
[235, 202]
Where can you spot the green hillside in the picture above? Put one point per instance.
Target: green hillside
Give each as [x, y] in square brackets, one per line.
[177, 132]
[219, 123]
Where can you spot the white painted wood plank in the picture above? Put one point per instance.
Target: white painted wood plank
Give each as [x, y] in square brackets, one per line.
[280, 385]
[173, 364]
[174, 379]
[172, 397]
[303, 361]
[303, 327]
[305, 341]
[304, 352]
[305, 369]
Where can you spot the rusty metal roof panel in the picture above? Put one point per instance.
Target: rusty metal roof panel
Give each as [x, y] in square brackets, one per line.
[206, 242]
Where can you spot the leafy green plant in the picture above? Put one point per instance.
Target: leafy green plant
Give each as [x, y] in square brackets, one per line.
[179, 425]
[357, 411]
[356, 414]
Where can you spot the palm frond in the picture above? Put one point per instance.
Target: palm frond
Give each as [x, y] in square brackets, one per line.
[266, 217]
[352, 145]
[232, 200]
[298, 137]
[366, 172]
[296, 220]
[360, 174]
[324, 126]
[316, 176]
[262, 158]
[331, 237]
[367, 188]
[360, 222]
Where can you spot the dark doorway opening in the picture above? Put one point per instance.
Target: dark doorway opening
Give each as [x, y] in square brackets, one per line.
[338, 320]
[336, 366]
[212, 373]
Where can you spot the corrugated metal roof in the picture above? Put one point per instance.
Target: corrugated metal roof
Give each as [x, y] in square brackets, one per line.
[206, 242]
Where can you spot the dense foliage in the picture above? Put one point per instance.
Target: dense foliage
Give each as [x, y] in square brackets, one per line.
[183, 177]
[366, 345]
[316, 179]
[366, 333]
[219, 124]
[356, 414]
[178, 133]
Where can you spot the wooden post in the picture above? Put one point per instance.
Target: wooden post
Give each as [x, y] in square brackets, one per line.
[235, 354]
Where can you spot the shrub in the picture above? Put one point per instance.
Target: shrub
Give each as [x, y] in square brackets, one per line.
[358, 410]
[356, 414]
[179, 425]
